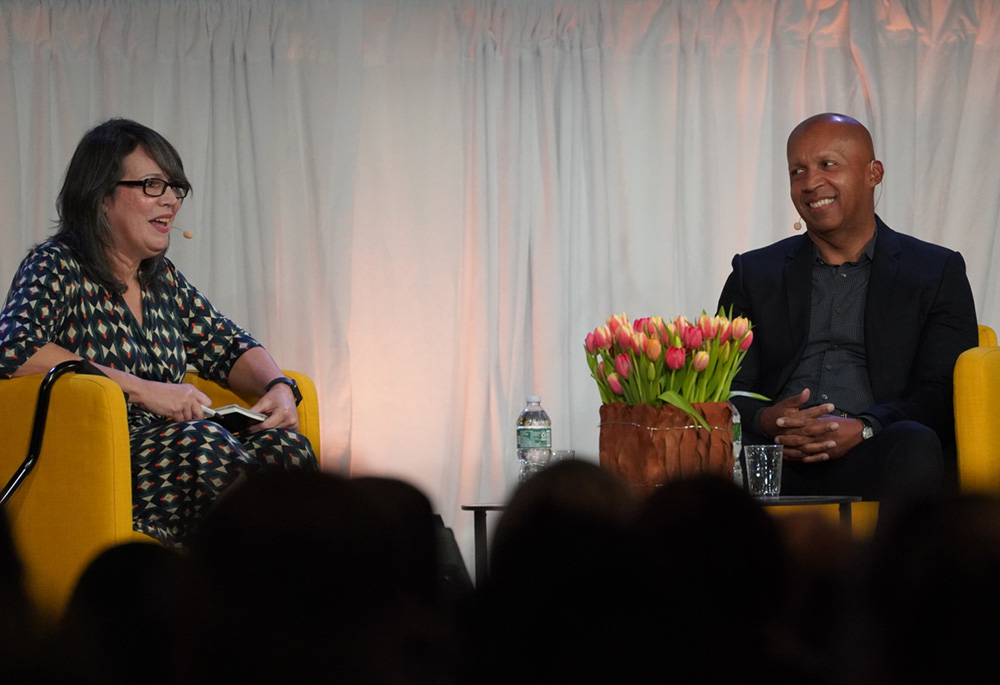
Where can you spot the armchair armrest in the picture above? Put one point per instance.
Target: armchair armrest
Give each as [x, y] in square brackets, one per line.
[977, 414]
[78, 498]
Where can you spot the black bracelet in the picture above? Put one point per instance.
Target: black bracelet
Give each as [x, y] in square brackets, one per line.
[290, 383]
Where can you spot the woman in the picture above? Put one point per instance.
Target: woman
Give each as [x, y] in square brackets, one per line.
[102, 289]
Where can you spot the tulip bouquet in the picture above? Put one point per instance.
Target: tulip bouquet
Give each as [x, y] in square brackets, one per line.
[650, 361]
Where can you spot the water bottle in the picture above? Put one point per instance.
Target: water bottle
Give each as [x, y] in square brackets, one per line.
[534, 438]
[737, 446]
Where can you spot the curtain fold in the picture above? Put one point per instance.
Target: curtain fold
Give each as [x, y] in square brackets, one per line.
[426, 206]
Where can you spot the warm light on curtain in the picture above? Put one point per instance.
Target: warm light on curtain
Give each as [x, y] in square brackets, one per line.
[426, 205]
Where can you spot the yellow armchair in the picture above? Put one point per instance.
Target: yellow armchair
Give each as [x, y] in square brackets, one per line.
[77, 500]
[977, 414]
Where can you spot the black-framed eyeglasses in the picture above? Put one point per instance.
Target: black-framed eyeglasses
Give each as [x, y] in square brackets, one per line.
[156, 187]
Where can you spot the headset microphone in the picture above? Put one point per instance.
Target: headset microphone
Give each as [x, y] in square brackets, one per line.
[186, 234]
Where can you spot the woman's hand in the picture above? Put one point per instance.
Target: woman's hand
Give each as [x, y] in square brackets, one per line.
[250, 375]
[279, 406]
[178, 401]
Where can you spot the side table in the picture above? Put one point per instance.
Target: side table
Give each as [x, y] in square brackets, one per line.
[480, 511]
[843, 503]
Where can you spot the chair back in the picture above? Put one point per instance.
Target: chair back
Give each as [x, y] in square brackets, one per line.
[977, 413]
[987, 336]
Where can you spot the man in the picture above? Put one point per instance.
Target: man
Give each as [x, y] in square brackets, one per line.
[857, 329]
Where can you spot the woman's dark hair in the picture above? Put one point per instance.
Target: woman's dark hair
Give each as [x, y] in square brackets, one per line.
[93, 174]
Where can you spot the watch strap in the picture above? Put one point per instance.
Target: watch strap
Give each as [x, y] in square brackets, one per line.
[867, 431]
[290, 382]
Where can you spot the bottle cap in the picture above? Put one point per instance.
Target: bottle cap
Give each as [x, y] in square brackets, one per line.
[533, 399]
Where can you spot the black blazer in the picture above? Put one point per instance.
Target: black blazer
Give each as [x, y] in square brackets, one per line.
[919, 316]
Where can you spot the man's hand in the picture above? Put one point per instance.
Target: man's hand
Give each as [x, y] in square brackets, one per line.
[811, 434]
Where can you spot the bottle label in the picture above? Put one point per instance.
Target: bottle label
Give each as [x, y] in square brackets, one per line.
[534, 438]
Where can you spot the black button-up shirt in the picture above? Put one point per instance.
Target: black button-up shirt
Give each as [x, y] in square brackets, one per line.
[834, 366]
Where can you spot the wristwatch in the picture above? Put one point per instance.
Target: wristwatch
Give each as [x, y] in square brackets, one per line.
[294, 386]
[866, 431]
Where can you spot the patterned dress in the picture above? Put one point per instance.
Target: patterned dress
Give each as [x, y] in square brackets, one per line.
[178, 468]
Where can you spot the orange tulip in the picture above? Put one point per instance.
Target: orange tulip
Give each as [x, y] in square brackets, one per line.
[652, 349]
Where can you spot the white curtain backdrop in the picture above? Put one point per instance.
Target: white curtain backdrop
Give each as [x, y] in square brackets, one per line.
[427, 205]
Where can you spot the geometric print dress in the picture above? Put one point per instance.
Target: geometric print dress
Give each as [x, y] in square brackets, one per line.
[178, 468]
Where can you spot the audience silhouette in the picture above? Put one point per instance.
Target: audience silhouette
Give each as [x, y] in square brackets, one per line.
[931, 595]
[19, 631]
[124, 602]
[565, 601]
[310, 577]
[722, 581]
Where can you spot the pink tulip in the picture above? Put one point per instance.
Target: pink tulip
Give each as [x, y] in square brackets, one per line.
[699, 362]
[603, 338]
[623, 365]
[726, 329]
[740, 327]
[675, 357]
[708, 326]
[653, 349]
[590, 343]
[623, 336]
[615, 321]
[658, 325]
[745, 343]
[616, 385]
[639, 341]
[691, 338]
[651, 326]
[600, 370]
[669, 335]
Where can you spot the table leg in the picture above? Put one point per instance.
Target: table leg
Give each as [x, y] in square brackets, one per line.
[845, 515]
[482, 555]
